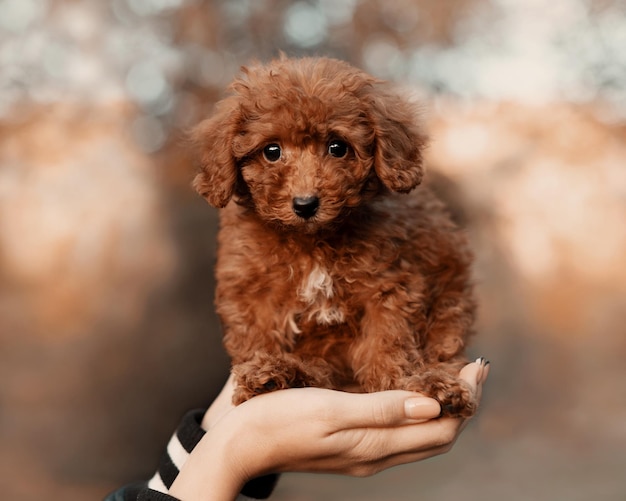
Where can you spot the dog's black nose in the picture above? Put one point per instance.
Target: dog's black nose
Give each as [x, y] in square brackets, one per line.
[306, 207]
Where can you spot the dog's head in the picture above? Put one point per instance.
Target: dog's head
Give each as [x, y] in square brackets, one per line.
[303, 141]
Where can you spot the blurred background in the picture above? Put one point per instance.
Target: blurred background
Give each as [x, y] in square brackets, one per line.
[107, 329]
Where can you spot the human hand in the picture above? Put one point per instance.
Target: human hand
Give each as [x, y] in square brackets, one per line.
[317, 430]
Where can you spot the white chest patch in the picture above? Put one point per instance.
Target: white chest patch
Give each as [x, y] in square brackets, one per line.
[317, 292]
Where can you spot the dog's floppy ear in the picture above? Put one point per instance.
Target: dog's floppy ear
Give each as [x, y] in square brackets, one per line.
[399, 141]
[213, 142]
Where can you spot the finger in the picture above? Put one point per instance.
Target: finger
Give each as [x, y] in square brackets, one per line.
[407, 457]
[376, 450]
[472, 373]
[475, 374]
[395, 408]
[383, 448]
[383, 409]
[485, 372]
[479, 389]
[432, 434]
[482, 373]
[365, 466]
[364, 452]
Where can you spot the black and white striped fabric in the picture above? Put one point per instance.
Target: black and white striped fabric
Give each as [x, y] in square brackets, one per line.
[178, 449]
[184, 440]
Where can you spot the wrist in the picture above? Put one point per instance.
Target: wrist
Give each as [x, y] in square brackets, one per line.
[213, 471]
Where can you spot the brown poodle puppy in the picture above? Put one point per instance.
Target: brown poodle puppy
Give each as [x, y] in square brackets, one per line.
[328, 272]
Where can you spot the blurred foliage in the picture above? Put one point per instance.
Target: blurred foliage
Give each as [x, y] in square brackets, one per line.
[172, 57]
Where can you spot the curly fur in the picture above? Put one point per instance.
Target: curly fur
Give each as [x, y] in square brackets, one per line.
[372, 289]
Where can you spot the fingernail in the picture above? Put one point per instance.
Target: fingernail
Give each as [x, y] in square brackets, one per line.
[480, 361]
[421, 408]
[484, 371]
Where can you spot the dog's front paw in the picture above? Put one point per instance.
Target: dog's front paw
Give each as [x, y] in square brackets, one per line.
[248, 386]
[266, 373]
[457, 401]
[455, 397]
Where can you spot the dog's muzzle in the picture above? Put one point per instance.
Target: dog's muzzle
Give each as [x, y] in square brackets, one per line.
[306, 207]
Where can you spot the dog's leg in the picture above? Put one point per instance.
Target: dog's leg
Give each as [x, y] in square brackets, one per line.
[385, 356]
[449, 325]
[392, 371]
[267, 372]
[385, 352]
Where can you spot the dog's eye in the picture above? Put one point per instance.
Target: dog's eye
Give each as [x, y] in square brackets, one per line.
[272, 152]
[337, 148]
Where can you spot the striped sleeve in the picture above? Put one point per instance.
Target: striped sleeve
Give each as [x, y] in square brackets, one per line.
[182, 442]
